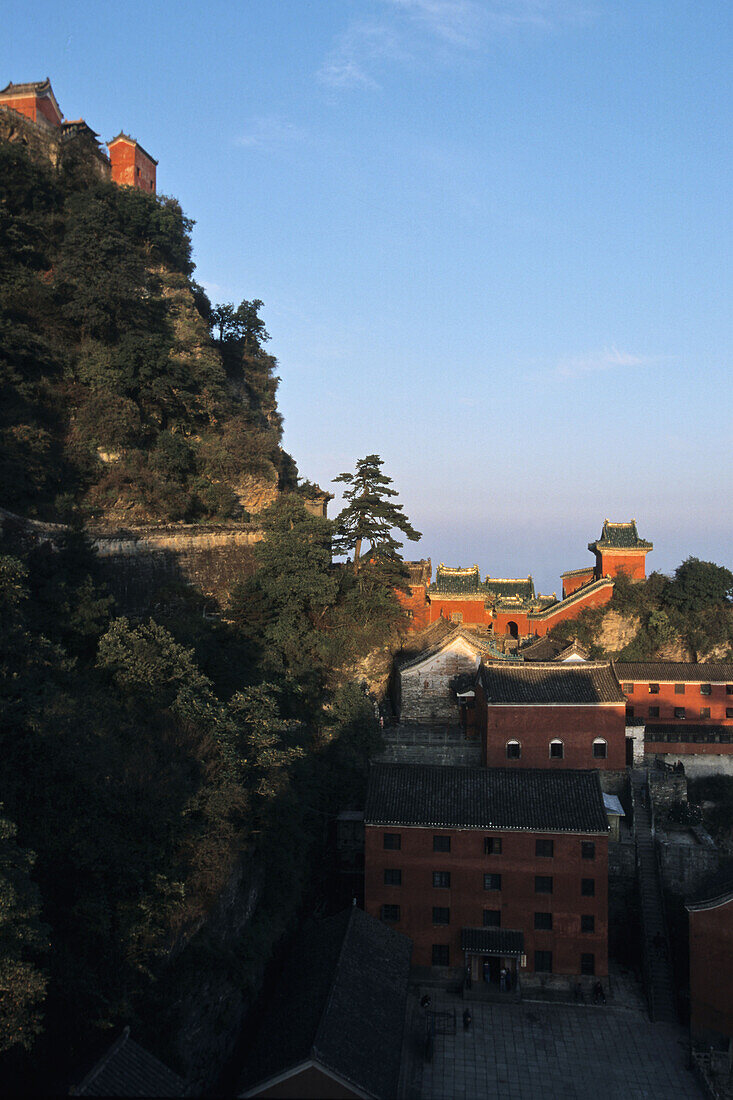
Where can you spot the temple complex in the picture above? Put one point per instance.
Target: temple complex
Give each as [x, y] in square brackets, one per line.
[46, 132]
[510, 606]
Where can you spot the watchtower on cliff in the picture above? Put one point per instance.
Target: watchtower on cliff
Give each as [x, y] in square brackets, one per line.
[35, 100]
[620, 550]
[131, 165]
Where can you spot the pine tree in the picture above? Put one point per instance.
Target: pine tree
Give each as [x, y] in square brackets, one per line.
[370, 514]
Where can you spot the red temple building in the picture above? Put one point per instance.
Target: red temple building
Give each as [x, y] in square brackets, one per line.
[128, 163]
[35, 101]
[510, 606]
[489, 868]
[131, 165]
[550, 715]
[711, 961]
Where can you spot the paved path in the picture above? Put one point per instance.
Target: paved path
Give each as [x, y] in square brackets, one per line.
[655, 945]
[536, 1051]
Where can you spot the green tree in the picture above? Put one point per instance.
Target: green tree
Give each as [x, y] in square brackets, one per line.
[23, 938]
[698, 585]
[370, 514]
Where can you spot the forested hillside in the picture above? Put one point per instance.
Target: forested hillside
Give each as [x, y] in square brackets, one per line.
[119, 403]
[167, 783]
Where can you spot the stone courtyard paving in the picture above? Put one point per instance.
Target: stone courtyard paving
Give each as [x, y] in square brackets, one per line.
[538, 1051]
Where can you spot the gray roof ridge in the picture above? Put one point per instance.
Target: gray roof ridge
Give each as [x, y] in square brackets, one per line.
[95, 1071]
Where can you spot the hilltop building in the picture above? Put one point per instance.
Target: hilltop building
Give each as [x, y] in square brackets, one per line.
[491, 869]
[46, 133]
[509, 605]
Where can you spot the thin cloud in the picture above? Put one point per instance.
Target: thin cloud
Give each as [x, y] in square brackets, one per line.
[412, 29]
[269, 132]
[609, 359]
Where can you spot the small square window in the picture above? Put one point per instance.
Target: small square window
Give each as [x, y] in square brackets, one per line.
[679, 712]
[557, 750]
[544, 847]
[492, 882]
[441, 879]
[543, 884]
[390, 913]
[587, 922]
[393, 841]
[704, 712]
[654, 689]
[627, 688]
[729, 689]
[492, 918]
[600, 749]
[706, 689]
[392, 877]
[729, 712]
[653, 712]
[588, 963]
[441, 954]
[588, 849]
[492, 845]
[629, 713]
[543, 961]
[543, 922]
[588, 887]
[441, 843]
[456, 616]
[679, 689]
[513, 750]
[441, 914]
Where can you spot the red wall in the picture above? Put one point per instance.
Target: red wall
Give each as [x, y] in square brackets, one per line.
[718, 701]
[32, 106]
[416, 603]
[572, 584]
[130, 166]
[543, 622]
[534, 727]
[473, 611]
[466, 897]
[613, 562]
[711, 970]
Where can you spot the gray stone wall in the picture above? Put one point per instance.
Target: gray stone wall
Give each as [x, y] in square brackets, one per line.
[424, 692]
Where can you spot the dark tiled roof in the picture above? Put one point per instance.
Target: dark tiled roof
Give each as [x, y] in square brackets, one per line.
[451, 580]
[718, 672]
[534, 799]
[620, 536]
[494, 941]
[552, 649]
[501, 587]
[342, 1005]
[545, 683]
[36, 86]
[128, 1070]
[419, 572]
[481, 645]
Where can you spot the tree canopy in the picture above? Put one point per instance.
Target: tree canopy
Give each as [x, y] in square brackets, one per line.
[370, 514]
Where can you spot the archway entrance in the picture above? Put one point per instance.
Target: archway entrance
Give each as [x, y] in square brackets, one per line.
[512, 629]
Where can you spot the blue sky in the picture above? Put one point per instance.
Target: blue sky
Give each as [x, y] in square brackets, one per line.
[492, 238]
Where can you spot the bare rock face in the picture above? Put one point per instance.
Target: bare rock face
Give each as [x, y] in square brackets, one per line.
[257, 492]
[617, 631]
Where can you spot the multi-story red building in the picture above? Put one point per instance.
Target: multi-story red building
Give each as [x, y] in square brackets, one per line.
[711, 961]
[488, 868]
[550, 715]
[131, 165]
[686, 708]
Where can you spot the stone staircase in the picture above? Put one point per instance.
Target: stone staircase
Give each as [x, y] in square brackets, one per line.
[657, 965]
